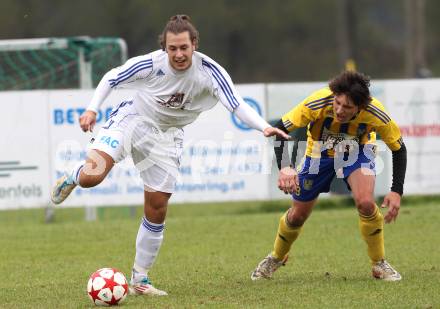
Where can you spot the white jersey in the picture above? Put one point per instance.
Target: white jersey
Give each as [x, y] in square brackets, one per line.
[166, 97]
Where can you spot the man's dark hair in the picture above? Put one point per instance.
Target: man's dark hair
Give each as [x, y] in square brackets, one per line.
[178, 24]
[353, 84]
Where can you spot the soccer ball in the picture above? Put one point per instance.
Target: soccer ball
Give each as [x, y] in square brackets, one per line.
[107, 287]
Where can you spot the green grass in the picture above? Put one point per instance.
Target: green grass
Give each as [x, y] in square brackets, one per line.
[209, 252]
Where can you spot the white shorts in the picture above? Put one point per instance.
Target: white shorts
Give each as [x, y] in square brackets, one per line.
[156, 154]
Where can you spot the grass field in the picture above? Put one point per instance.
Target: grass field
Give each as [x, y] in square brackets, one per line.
[209, 252]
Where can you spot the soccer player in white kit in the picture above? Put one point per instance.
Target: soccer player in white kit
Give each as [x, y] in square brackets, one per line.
[174, 85]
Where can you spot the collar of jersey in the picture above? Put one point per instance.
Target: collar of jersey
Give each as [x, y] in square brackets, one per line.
[175, 72]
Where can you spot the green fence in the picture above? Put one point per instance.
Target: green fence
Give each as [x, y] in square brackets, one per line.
[58, 63]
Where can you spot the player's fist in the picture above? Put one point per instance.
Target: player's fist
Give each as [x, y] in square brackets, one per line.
[288, 180]
[87, 121]
[392, 201]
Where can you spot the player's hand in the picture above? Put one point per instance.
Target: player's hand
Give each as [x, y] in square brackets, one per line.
[87, 121]
[288, 180]
[271, 131]
[392, 201]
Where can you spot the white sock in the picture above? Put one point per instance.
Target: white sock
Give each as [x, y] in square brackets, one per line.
[74, 174]
[148, 242]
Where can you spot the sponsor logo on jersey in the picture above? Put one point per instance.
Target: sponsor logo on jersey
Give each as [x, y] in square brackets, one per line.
[175, 101]
[160, 73]
[331, 140]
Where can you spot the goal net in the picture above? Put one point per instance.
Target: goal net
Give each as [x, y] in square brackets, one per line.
[58, 63]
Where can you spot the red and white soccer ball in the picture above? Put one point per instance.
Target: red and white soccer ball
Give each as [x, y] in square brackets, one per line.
[107, 287]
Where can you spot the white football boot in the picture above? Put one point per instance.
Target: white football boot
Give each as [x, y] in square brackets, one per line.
[141, 285]
[62, 189]
[267, 267]
[384, 271]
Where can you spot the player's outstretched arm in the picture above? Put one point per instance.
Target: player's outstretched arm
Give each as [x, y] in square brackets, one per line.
[249, 116]
[392, 199]
[134, 69]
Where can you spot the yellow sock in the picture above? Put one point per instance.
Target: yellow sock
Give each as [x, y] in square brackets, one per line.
[371, 228]
[286, 235]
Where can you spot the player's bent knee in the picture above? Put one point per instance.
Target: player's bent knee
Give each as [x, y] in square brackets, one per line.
[299, 213]
[365, 206]
[96, 168]
[296, 220]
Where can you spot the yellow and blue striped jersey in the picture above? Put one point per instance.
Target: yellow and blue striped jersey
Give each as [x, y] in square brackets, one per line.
[324, 132]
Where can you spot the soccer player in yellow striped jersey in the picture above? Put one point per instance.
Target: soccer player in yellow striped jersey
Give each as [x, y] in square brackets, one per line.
[342, 121]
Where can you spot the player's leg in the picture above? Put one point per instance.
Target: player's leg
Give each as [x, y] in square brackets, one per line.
[157, 160]
[97, 166]
[106, 149]
[289, 228]
[361, 178]
[148, 242]
[311, 184]
[150, 235]
[86, 174]
[371, 221]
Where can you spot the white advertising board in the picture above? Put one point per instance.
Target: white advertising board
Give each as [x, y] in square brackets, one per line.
[222, 160]
[415, 105]
[24, 149]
